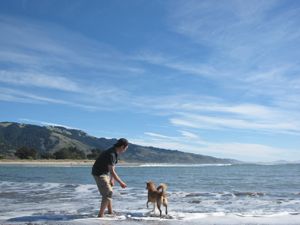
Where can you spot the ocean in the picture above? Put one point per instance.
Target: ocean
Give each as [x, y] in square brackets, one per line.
[198, 194]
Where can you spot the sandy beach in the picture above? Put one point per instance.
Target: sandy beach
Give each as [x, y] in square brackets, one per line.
[47, 162]
[53, 162]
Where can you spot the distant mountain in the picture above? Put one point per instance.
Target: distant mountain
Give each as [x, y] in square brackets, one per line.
[52, 138]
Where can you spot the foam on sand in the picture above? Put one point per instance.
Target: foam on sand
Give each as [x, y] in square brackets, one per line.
[198, 218]
[218, 218]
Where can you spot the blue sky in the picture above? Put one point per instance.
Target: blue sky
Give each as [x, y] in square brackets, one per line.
[218, 78]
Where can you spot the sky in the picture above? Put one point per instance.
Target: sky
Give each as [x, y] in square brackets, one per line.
[218, 78]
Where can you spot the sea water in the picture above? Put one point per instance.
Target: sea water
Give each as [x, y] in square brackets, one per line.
[198, 194]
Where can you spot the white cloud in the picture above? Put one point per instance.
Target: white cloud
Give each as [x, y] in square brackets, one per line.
[192, 111]
[188, 134]
[8, 97]
[247, 152]
[39, 80]
[185, 136]
[53, 57]
[250, 152]
[251, 46]
[220, 122]
[46, 123]
[234, 24]
[47, 45]
[166, 144]
[100, 92]
[156, 135]
[7, 94]
[181, 66]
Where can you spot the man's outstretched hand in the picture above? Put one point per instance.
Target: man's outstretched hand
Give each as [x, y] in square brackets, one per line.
[123, 185]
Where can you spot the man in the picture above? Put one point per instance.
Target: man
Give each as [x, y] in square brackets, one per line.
[105, 165]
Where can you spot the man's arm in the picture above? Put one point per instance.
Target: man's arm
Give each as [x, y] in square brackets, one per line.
[112, 181]
[116, 177]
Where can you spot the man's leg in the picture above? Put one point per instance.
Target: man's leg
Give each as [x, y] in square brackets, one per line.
[104, 204]
[109, 207]
[106, 192]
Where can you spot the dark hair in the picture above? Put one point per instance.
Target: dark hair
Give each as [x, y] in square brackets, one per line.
[121, 142]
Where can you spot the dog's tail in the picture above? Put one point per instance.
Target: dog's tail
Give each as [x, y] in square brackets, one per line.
[163, 188]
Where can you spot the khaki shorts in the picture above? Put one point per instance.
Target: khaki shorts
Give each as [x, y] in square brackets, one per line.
[104, 187]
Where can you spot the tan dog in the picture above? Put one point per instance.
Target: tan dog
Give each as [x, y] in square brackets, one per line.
[157, 196]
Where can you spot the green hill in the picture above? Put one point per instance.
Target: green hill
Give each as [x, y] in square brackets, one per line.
[51, 139]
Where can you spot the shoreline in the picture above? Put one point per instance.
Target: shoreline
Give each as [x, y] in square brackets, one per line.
[46, 162]
[56, 162]
[88, 162]
[91, 162]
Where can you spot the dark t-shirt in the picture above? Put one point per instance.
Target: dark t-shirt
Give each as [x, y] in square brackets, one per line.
[105, 159]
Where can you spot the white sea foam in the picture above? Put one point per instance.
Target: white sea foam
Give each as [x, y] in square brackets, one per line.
[86, 188]
[179, 165]
[196, 218]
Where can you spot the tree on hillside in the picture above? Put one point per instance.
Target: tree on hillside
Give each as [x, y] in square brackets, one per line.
[26, 153]
[94, 153]
[69, 153]
[47, 155]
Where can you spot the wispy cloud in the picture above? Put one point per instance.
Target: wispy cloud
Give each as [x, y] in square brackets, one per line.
[43, 56]
[178, 65]
[191, 142]
[214, 113]
[188, 134]
[156, 135]
[45, 44]
[247, 152]
[183, 136]
[44, 123]
[39, 80]
[230, 24]
[250, 152]
[99, 92]
[251, 46]
[217, 122]
[12, 95]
